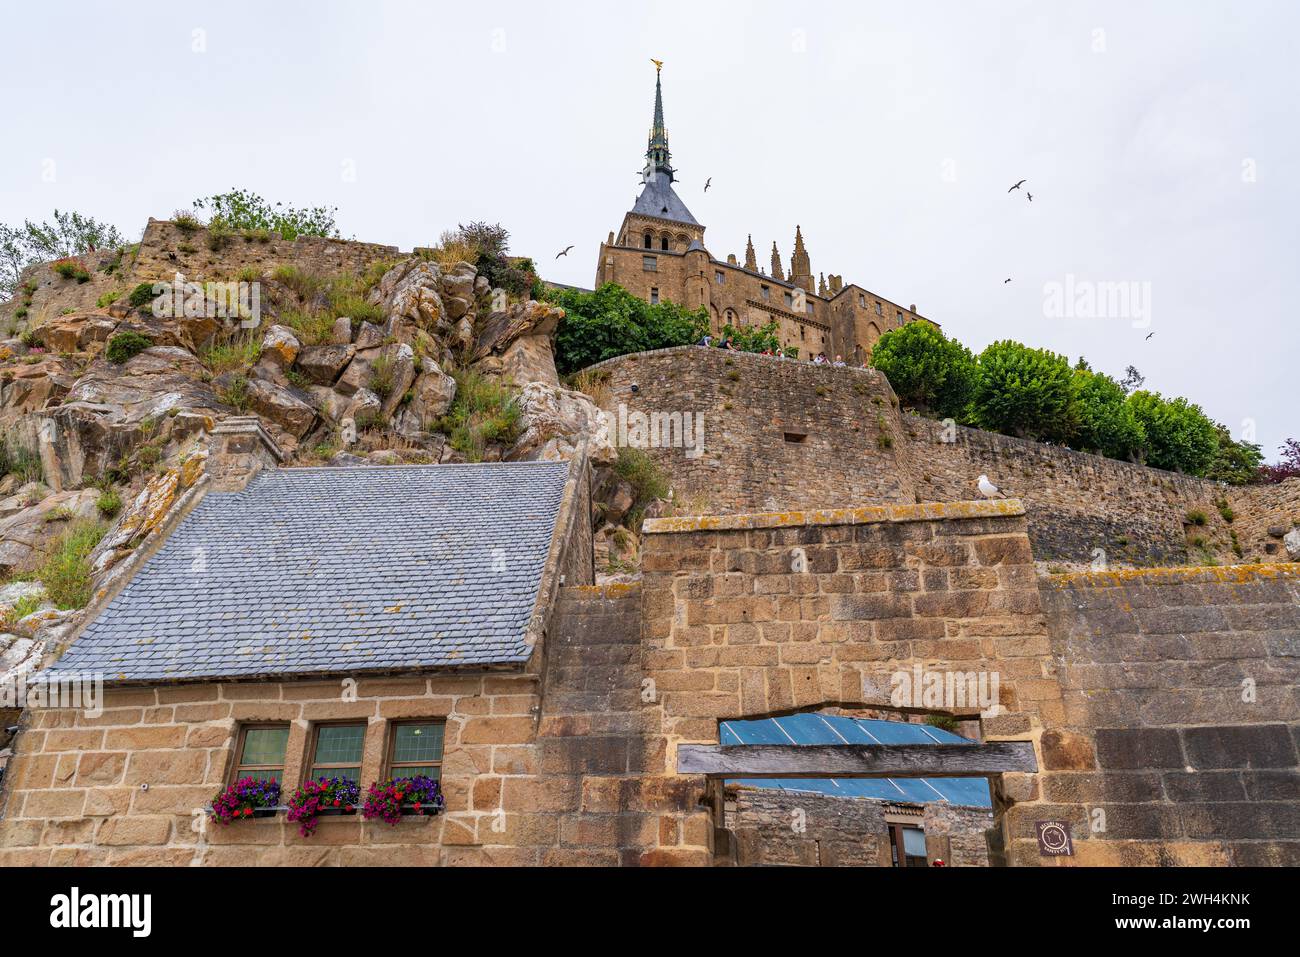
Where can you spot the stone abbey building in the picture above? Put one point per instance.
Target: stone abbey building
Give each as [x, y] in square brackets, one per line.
[659, 255]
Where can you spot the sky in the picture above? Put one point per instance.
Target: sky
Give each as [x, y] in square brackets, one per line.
[1160, 141]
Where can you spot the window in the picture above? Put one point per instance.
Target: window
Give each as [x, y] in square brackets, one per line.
[766, 292]
[789, 301]
[809, 306]
[650, 263]
[654, 295]
[879, 309]
[260, 752]
[719, 277]
[907, 846]
[796, 438]
[862, 301]
[415, 748]
[900, 315]
[649, 243]
[336, 751]
[663, 244]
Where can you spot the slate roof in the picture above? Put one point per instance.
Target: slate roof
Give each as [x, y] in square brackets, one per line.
[659, 199]
[333, 570]
[809, 728]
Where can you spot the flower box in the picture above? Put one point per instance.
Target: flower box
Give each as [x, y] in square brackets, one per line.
[324, 797]
[247, 798]
[403, 797]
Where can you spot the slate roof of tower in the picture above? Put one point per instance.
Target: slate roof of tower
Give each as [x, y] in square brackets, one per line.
[659, 199]
[333, 570]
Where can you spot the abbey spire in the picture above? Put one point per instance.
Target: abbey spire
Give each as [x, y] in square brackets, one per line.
[658, 159]
[751, 261]
[800, 266]
[777, 272]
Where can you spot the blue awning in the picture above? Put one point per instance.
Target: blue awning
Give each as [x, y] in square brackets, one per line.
[837, 729]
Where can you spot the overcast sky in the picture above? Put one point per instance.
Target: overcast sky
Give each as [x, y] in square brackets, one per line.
[1159, 141]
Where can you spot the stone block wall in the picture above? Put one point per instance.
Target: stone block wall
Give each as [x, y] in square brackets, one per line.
[809, 829]
[778, 434]
[129, 786]
[1264, 515]
[166, 249]
[1076, 502]
[748, 616]
[1182, 718]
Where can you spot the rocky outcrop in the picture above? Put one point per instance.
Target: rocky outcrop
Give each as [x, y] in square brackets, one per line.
[553, 421]
[517, 343]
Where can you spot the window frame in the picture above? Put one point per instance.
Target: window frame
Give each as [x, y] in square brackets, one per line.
[390, 747]
[242, 738]
[649, 263]
[313, 739]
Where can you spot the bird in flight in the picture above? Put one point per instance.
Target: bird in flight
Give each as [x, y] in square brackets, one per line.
[1005, 281]
[1030, 195]
[1018, 185]
[1149, 335]
[988, 489]
[563, 252]
[708, 184]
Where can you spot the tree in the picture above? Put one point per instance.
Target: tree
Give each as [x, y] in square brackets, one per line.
[753, 338]
[1287, 467]
[242, 210]
[70, 234]
[929, 371]
[1180, 437]
[1132, 380]
[1237, 463]
[612, 322]
[490, 244]
[1103, 421]
[1023, 391]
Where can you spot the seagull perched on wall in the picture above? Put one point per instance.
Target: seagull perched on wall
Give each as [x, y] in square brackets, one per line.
[1018, 185]
[563, 252]
[988, 489]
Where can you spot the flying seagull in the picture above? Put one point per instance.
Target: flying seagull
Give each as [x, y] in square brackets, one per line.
[1005, 281]
[988, 489]
[563, 252]
[1149, 335]
[1030, 195]
[1018, 185]
[708, 184]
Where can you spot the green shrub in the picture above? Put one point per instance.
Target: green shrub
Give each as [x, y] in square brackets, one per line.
[32, 339]
[126, 345]
[21, 609]
[66, 572]
[141, 295]
[647, 480]
[20, 312]
[238, 353]
[612, 322]
[108, 298]
[1197, 517]
[305, 284]
[109, 502]
[944, 722]
[248, 274]
[252, 215]
[235, 394]
[311, 328]
[186, 221]
[219, 234]
[71, 267]
[482, 413]
[1225, 511]
[382, 377]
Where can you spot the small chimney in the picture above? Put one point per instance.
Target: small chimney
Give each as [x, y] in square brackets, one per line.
[238, 449]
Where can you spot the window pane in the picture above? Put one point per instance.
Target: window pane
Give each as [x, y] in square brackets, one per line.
[427, 770]
[349, 774]
[418, 742]
[265, 746]
[913, 842]
[259, 775]
[340, 743]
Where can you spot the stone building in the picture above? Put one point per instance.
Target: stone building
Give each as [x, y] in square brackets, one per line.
[659, 254]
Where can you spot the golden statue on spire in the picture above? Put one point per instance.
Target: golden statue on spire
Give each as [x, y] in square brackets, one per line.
[659, 64]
